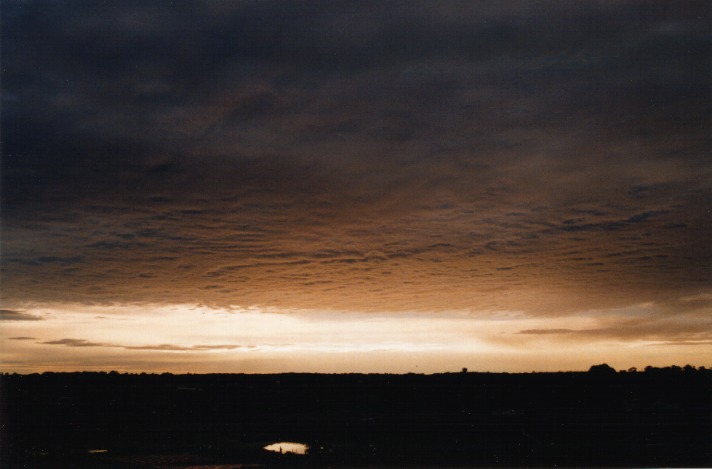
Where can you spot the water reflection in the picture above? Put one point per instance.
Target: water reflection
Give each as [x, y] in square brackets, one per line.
[288, 447]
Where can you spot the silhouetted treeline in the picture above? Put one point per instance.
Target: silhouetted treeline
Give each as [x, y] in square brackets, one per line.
[654, 417]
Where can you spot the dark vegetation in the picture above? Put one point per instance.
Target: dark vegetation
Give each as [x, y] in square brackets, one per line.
[655, 417]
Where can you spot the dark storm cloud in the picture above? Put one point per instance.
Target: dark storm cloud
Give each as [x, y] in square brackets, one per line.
[366, 155]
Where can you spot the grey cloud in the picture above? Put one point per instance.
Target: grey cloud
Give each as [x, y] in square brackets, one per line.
[159, 347]
[76, 343]
[12, 315]
[216, 347]
[65, 261]
[547, 331]
[166, 347]
[295, 154]
[684, 343]
[663, 325]
[642, 217]
[178, 348]
[22, 338]
[576, 225]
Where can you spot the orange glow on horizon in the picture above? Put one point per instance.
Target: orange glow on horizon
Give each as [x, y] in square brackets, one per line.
[186, 338]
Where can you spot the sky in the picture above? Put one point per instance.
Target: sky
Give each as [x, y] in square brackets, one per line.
[355, 186]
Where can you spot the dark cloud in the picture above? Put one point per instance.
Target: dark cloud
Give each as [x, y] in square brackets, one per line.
[358, 155]
[546, 331]
[681, 322]
[22, 338]
[177, 348]
[684, 343]
[11, 315]
[76, 343]
[159, 347]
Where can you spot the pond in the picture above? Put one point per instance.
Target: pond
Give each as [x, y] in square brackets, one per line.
[288, 447]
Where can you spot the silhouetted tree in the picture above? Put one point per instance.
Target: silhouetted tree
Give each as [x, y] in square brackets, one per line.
[603, 369]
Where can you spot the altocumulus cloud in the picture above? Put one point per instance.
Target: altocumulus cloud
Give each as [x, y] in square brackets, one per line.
[538, 156]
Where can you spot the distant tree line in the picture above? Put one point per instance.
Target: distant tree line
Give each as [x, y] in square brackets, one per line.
[602, 369]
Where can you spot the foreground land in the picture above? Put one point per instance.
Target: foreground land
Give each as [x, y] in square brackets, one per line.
[656, 417]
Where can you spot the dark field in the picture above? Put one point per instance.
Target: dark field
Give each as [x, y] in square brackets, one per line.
[656, 417]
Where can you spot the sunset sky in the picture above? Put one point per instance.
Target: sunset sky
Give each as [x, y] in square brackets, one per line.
[355, 186]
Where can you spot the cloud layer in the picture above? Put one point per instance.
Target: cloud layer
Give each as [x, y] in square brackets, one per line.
[546, 157]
